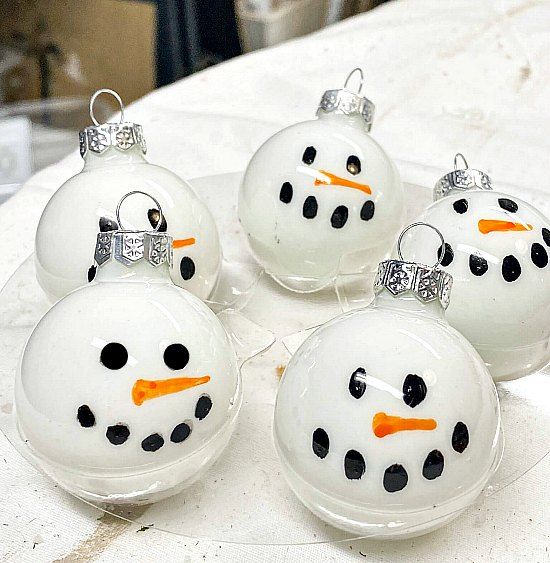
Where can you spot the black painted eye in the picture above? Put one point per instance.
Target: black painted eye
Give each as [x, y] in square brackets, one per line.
[354, 465]
[414, 390]
[114, 356]
[353, 165]
[92, 272]
[461, 437]
[460, 206]
[286, 193]
[320, 443]
[176, 356]
[339, 217]
[309, 155]
[395, 478]
[203, 406]
[433, 465]
[181, 432]
[187, 268]
[478, 265]
[367, 211]
[106, 224]
[539, 256]
[85, 416]
[154, 215]
[117, 434]
[152, 443]
[309, 210]
[447, 256]
[357, 383]
[546, 236]
[508, 204]
[511, 268]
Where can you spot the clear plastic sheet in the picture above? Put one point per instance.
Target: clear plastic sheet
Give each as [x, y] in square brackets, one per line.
[244, 498]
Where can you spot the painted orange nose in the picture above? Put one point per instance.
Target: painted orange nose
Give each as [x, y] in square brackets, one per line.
[325, 178]
[383, 424]
[145, 389]
[181, 242]
[489, 225]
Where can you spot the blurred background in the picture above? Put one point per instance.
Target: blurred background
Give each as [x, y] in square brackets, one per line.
[55, 53]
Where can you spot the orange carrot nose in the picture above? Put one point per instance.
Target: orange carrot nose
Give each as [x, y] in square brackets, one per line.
[144, 389]
[382, 424]
[489, 225]
[181, 242]
[327, 178]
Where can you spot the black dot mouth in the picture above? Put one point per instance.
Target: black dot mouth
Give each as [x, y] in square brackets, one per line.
[119, 433]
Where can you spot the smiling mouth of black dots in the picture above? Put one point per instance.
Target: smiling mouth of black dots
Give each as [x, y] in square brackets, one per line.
[510, 267]
[119, 433]
[310, 208]
[395, 477]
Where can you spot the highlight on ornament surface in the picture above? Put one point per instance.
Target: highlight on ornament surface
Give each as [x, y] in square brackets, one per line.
[114, 164]
[387, 421]
[497, 248]
[138, 375]
[321, 197]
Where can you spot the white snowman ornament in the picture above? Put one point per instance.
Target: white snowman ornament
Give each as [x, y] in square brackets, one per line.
[114, 164]
[322, 198]
[387, 421]
[128, 388]
[497, 250]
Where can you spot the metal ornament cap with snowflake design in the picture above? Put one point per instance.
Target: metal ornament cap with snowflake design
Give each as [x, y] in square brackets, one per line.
[424, 282]
[461, 179]
[122, 136]
[346, 102]
[129, 247]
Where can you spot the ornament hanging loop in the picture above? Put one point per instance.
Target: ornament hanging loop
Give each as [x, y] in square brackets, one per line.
[161, 215]
[441, 255]
[460, 155]
[361, 79]
[105, 91]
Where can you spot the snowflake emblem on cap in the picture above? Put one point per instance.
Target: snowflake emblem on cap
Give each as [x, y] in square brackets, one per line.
[400, 277]
[124, 138]
[427, 281]
[97, 141]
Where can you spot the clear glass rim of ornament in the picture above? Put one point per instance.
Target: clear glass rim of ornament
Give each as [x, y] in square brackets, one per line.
[265, 484]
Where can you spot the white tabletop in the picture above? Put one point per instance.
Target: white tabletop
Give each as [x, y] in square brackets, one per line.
[470, 76]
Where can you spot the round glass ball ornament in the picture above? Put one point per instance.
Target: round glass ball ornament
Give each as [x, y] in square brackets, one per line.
[128, 388]
[321, 197]
[497, 250]
[114, 164]
[387, 421]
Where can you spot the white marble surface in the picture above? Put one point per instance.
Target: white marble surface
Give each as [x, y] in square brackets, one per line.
[446, 76]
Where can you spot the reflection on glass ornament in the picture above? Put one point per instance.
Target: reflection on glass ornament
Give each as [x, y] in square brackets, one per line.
[128, 388]
[387, 421]
[321, 197]
[496, 249]
[114, 164]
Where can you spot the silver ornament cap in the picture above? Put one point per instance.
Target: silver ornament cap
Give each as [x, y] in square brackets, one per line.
[98, 137]
[346, 102]
[461, 179]
[426, 283]
[131, 246]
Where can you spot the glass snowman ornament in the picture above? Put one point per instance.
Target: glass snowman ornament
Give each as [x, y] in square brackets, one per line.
[114, 164]
[321, 197]
[128, 388]
[387, 421]
[496, 249]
